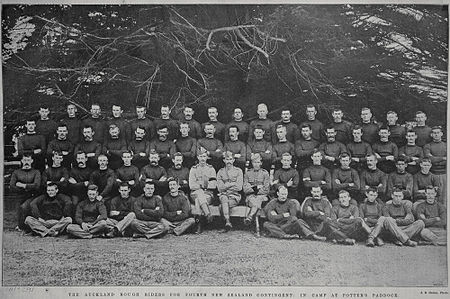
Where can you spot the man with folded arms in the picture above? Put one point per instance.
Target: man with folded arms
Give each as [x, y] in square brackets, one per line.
[287, 176]
[424, 178]
[140, 147]
[236, 146]
[104, 178]
[155, 173]
[202, 182]
[26, 182]
[373, 177]
[91, 147]
[90, 217]
[229, 184]
[33, 144]
[128, 173]
[79, 179]
[371, 211]
[401, 179]
[434, 215]
[149, 210]
[50, 213]
[56, 173]
[401, 212]
[176, 218]
[186, 145]
[283, 222]
[317, 175]
[61, 144]
[256, 187]
[121, 213]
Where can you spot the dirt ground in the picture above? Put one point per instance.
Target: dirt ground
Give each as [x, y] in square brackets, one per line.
[215, 258]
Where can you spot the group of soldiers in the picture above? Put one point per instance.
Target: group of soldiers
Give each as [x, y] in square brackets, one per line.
[144, 178]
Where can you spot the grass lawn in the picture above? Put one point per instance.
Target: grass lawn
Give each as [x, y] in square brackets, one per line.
[215, 258]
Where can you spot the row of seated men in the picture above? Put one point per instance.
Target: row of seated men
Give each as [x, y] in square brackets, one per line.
[227, 186]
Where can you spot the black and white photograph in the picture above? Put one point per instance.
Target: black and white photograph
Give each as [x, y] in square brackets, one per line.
[253, 146]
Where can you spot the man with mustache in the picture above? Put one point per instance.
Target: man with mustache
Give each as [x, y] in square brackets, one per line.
[386, 151]
[236, 146]
[219, 128]
[89, 146]
[155, 174]
[120, 122]
[316, 125]
[317, 175]
[61, 144]
[373, 177]
[176, 217]
[114, 146]
[202, 182]
[97, 123]
[33, 144]
[179, 172]
[195, 129]
[141, 121]
[164, 146]
[26, 182]
[140, 147]
[331, 149]
[212, 145]
[186, 145]
[167, 122]
[229, 184]
[238, 122]
[79, 179]
[50, 213]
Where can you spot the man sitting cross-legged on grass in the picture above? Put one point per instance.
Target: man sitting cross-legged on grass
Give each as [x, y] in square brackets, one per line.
[317, 213]
[149, 210]
[404, 227]
[176, 218]
[229, 184]
[50, 212]
[434, 215]
[283, 222]
[348, 221]
[121, 213]
[371, 210]
[256, 187]
[90, 217]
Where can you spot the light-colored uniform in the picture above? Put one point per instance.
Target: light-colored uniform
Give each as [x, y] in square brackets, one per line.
[255, 178]
[229, 184]
[199, 181]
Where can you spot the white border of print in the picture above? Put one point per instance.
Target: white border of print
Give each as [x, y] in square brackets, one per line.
[221, 292]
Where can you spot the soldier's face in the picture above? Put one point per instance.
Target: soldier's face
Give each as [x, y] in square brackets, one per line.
[154, 159]
[391, 119]
[124, 191]
[316, 158]
[149, 189]
[178, 162]
[162, 134]
[331, 135]
[62, 133]
[357, 134]
[344, 199]
[257, 164]
[140, 112]
[238, 114]
[173, 187]
[281, 133]
[165, 112]
[372, 196]
[26, 162]
[384, 135]
[139, 133]
[88, 134]
[411, 138]
[345, 162]
[337, 116]
[366, 115]
[44, 112]
[421, 118]
[286, 162]
[202, 158]
[31, 126]
[212, 114]
[431, 195]
[233, 132]
[425, 167]
[92, 195]
[262, 111]
[316, 192]
[228, 160]
[116, 111]
[126, 158]
[436, 134]
[371, 162]
[52, 191]
[259, 134]
[71, 110]
[282, 194]
[102, 162]
[184, 130]
[209, 130]
[57, 159]
[311, 113]
[397, 197]
[81, 160]
[401, 166]
[95, 110]
[286, 115]
[306, 133]
[188, 113]
[114, 132]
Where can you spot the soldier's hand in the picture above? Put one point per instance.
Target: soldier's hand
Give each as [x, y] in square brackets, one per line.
[131, 182]
[37, 151]
[285, 215]
[179, 212]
